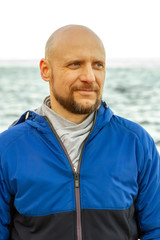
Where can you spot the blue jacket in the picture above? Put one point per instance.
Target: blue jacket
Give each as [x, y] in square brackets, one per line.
[114, 195]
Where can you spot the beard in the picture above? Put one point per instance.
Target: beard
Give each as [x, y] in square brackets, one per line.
[73, 106]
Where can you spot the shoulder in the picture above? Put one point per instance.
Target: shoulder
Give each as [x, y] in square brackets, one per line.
[134, 129]
[12, 135]
[129, 125]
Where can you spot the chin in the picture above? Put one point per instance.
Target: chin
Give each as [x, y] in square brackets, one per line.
[86, 103]
[85, 107]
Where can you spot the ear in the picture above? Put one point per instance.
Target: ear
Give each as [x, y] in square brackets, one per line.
[45, 69]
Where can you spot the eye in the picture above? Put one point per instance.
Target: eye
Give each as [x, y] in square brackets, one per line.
[98, 65]
[74, 65]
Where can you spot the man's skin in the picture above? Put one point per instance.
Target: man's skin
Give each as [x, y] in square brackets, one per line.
[74, 66]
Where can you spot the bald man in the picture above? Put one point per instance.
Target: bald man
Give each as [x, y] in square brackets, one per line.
[71, 169]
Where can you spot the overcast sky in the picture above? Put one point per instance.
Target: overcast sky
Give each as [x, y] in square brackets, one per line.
[128, 28]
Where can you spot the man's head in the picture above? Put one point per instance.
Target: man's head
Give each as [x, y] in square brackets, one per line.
[74, 66]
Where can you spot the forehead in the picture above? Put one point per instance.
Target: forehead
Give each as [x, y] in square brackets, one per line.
[78, 44]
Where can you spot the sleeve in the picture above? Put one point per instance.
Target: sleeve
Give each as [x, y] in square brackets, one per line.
[148, 199]
[5, 200]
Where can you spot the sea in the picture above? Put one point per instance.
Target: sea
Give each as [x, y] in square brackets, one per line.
[131, 90]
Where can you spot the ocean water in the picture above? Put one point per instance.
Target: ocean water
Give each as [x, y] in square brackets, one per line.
[132, 90]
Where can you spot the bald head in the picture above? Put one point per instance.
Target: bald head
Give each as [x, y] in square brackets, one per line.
[69, 33]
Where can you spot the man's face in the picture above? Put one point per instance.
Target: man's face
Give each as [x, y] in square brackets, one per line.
[78, 74]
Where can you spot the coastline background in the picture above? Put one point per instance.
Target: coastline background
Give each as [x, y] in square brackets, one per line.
[132, 90]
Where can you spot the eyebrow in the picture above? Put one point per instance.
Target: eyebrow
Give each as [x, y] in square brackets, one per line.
[69, 60]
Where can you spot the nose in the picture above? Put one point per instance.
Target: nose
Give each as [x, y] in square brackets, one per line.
[87, 74]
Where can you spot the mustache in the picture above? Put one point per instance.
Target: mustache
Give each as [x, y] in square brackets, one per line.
[85, 87]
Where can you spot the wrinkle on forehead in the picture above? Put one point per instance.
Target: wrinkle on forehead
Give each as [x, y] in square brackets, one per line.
[69, 33]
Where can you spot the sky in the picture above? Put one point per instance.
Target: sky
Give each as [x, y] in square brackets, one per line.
[128, 28]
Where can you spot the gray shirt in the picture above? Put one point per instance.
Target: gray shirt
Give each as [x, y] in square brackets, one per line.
[71, 134]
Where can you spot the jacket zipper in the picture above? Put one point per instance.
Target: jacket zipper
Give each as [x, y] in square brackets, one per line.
[78, 205]
[76, 175]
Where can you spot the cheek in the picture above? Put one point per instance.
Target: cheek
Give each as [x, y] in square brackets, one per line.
[62, 86]
[100, 80]
[68, 82]
[102, 83]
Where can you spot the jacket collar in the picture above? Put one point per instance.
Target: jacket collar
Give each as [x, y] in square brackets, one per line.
[104, 115]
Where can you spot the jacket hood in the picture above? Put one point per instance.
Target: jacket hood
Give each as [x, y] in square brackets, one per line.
[104, 115]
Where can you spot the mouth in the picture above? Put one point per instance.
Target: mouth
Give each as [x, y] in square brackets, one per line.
[89, 91]
[86, 91]
[86, 88]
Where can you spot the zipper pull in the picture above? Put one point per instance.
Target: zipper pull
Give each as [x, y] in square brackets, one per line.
[76, 179]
